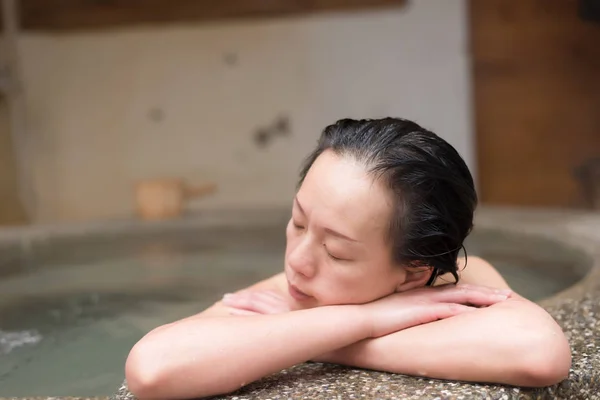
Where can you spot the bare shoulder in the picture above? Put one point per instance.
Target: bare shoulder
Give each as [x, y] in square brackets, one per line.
[275, 283]
[476, 271]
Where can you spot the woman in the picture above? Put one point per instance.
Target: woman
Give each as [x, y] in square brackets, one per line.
[371, 262]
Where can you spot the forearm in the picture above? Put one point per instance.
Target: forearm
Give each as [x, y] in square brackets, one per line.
[512, 344]
[212, 355]
[433, 350]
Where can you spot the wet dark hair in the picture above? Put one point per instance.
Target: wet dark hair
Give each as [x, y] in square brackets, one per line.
[433, 191]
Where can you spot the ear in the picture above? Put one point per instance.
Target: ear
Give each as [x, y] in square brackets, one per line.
[415, 277]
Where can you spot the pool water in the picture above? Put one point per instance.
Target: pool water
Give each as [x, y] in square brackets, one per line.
[71, 309]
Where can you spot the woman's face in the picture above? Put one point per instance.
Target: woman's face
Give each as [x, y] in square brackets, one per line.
[337, 252]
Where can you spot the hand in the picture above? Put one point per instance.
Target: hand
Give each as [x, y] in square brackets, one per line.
[420, 306]
[255, 302]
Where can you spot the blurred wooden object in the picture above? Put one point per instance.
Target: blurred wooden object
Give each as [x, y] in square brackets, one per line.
[61, 15]
[16, 194]
[536, 67]
[166, 198]
[588, 175]
[12, 211]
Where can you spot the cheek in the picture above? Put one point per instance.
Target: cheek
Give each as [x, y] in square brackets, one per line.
[354, 284]
[342, 285]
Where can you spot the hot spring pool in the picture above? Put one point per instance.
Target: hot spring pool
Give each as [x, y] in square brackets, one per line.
[72, 306]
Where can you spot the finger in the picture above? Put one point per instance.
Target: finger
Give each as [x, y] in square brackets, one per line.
[269, 298]
[434, 312]
[447, 310]
[240, 312]
[238, 300]
[480, 288]
[265, 295]
[270, 304]
[253, 301]
[250, 290]
[273, 294]
[466, 294]
[474, 288]
[487, 289]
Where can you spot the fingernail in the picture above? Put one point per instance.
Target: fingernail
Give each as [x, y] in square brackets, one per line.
[227, 295]
[499, 297]
[505, 292]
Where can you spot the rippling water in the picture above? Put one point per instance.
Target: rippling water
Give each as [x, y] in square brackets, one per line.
[12, 340]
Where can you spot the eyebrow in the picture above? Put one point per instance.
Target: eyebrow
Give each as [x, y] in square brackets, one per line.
[299, 206]
[341, 236]
[328, 230]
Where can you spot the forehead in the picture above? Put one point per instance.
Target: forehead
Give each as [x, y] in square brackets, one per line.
[339, 191]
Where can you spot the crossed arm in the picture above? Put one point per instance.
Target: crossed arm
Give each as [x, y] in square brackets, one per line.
[513, 342]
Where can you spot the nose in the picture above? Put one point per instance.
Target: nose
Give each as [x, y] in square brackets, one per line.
[301, 259]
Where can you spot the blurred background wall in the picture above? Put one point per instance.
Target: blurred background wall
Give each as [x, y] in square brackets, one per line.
[109, 108]
[514, 86]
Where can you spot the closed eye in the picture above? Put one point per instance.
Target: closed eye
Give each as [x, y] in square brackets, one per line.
[298, 226]
[334, 257]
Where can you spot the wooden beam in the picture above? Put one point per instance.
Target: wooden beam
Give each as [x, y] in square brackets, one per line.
[65, 15]
[536, 97]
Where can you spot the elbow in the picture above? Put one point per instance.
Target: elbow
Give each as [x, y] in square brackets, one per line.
[549, 364]
[154, 370]
[145, 369]
[143, 376]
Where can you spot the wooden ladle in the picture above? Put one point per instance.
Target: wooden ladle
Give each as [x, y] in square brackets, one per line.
[166, 198]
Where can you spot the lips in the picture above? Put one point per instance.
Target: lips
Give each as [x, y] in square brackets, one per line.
[297, 293]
